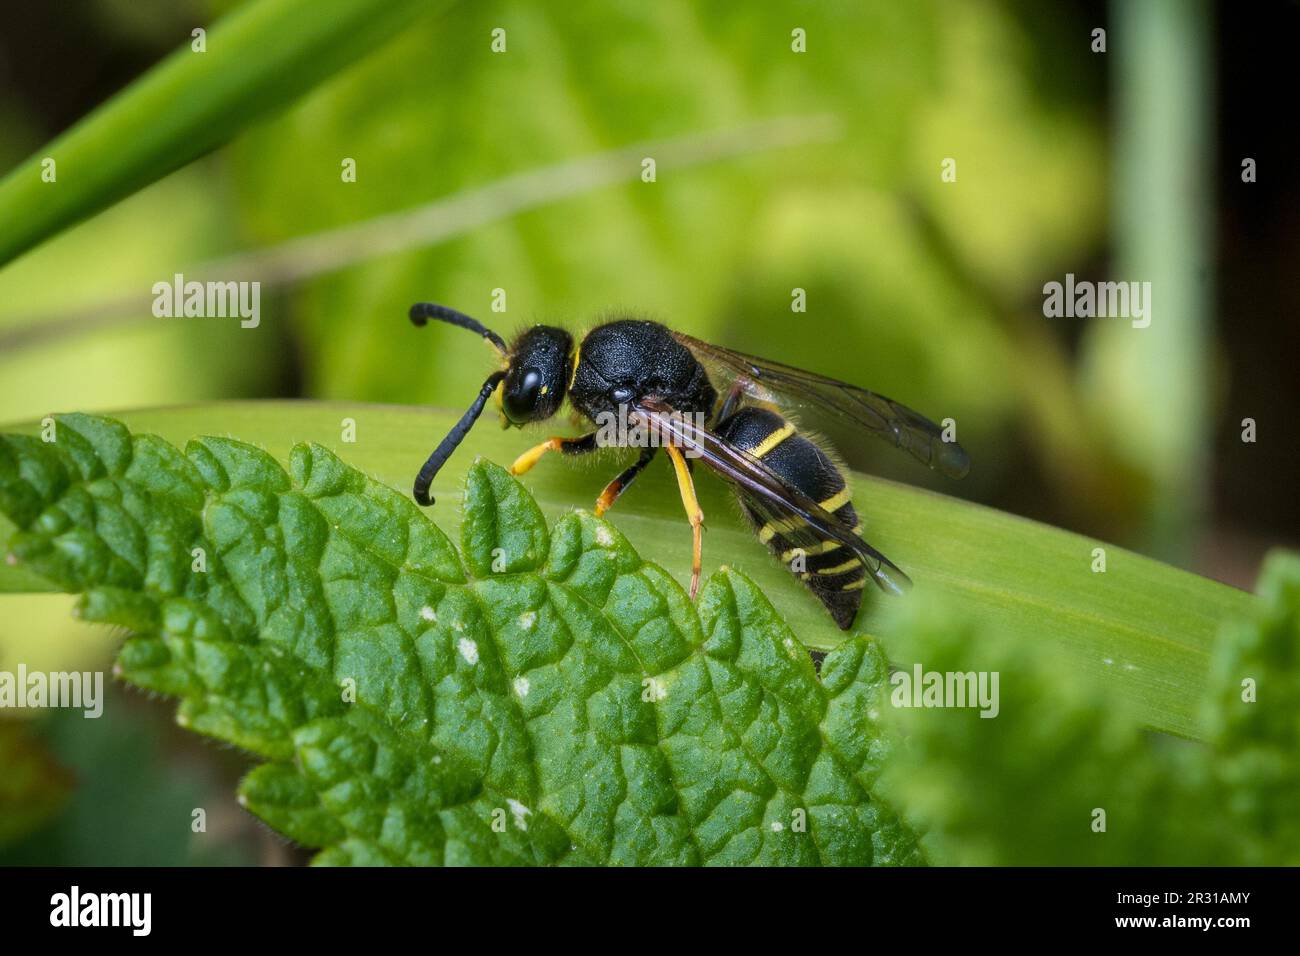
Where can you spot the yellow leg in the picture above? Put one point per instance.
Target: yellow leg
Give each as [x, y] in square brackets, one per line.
[693, 514]
[573, 446]
[533, 455]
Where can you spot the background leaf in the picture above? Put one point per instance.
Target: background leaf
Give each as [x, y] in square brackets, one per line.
[855, 221]
[1253, 718]
[257, 59]
[1063, 773]
[33, 787]
[131, 792]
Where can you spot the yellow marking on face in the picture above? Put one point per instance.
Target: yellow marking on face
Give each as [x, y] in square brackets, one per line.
[763, 448]
[575, 358]
[498, 397]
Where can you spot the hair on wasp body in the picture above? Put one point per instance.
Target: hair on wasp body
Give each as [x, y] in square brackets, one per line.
[735, 412]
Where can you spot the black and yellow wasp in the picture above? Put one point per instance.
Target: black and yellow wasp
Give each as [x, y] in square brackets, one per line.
[708, 402]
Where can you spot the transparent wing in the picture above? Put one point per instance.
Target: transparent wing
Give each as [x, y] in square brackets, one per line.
[810, 524]
[781, 384]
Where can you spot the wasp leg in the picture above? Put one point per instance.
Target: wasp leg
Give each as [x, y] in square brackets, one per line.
[569, 446]
[615, 488]
[734, 397]
[693, 514]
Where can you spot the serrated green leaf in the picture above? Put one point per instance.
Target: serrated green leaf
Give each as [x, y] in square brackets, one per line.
[1254, 717]
[565, 703]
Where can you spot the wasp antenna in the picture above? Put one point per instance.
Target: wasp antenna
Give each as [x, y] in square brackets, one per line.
[422, 312]
[454, 437]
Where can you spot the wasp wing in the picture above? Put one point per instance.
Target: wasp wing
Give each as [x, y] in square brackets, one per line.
[810, 526]
[771, 382]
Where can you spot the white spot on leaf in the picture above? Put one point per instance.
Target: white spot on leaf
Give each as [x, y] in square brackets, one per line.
[468, 650]
[520, 813]
[527, 620]
[427, 613]
[521, 686]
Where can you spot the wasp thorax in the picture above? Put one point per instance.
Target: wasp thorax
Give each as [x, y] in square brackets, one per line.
[538, 374]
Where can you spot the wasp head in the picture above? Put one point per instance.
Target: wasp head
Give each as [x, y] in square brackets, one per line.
[537, 376]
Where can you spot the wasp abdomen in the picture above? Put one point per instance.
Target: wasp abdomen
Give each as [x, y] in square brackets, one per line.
[832, 572]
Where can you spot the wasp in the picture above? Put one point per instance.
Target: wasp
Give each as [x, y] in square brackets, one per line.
[733, 411]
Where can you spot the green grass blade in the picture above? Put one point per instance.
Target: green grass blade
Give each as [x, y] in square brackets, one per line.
[260, 57]
[1141, 627]
[1146, 386]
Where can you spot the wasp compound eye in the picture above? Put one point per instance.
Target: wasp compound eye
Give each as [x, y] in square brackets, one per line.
[539, 375]
[519, 400]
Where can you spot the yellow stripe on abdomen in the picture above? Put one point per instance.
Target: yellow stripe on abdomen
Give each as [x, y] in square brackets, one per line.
[837, 501]
[773, 528]
[764, 448]
[841, 568]
[819, 548]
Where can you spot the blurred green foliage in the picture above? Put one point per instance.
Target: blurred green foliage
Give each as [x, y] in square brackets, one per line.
[1258, 743]
[916, 288]
[131, 796]
[33, 787]
[258, 58]
[1029, 787]
[715, 250]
